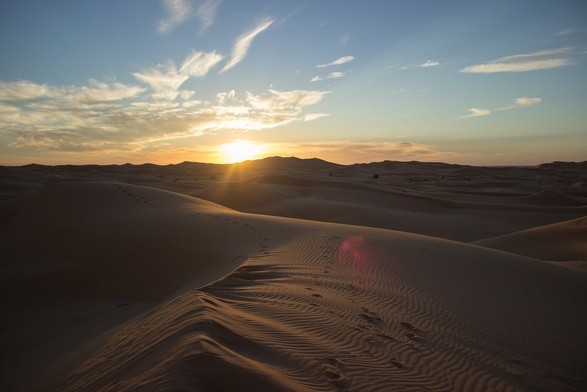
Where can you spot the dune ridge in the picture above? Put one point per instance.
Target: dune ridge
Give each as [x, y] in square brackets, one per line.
[559, 242]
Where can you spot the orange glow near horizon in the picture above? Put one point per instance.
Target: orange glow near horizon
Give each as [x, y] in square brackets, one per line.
[239, 151]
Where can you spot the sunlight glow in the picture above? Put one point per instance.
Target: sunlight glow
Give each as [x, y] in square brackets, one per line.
[239, 151]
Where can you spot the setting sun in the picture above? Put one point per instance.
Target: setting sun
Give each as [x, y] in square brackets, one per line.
[239, 151]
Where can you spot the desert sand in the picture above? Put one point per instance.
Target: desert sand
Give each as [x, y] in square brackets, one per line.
[290, 274]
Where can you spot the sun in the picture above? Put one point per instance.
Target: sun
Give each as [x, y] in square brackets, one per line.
[239, 151]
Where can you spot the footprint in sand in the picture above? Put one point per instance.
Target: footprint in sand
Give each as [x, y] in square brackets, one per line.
[371, 318]
[397, 363]
[409, 326]
[333, 370]
[314, 298]
[415, 339]
[379, 340]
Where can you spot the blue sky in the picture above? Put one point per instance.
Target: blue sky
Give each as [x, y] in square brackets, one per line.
[496, 82]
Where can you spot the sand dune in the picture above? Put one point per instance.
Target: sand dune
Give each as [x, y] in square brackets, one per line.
[451, 199]
[116, 286]
[564, 241]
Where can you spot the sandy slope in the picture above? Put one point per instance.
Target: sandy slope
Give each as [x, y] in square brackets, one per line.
[561, 242]
[122, 287]
[455, 202]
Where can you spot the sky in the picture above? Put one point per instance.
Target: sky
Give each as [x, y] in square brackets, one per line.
[165, 81]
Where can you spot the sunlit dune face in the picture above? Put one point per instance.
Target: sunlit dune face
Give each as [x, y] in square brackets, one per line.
[239, 151]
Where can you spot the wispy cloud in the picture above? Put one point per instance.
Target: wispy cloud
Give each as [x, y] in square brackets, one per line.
[102, 92]
[242, 44]
[285, 100]
[338, 61]
[178, 11]
[335, 75]
[315, 116]
[477, 112]
[545, 59]
[332, 75]
[257, 111]
[345, 39]
[94, 91]
[206, 13]
[522, 102]
[22, 90]
[199, 63]
[429, 63]
[168, 78]
[162, 78]
[569, 31]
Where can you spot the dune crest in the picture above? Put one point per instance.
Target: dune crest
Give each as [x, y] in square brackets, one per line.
[560, 242]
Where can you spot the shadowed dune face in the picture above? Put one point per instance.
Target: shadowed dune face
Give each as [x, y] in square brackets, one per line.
[111, 286]
[95, 254]
[87, 228]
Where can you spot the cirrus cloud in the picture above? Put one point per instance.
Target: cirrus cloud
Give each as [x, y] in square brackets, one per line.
[332, 75]
[166, 79]
[242, 44]
[338, 61]
[206, 12]
[178, 11]
[314, 116]
[544, 59]
[522, 102]
[22, 90]
[525, 101]
[430, 63]
[477, 112]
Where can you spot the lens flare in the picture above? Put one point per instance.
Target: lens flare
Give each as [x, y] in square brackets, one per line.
[352, 251]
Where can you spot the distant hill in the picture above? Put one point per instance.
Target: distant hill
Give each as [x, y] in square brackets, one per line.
[285, 163]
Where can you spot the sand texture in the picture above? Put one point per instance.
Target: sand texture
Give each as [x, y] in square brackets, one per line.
[299, 275]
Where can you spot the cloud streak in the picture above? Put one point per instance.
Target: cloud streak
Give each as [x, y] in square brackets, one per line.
[477, 112]
[22, 90]
[314, 116]
[166, 79]
[178, 11]
[545, 59]
[332, 75]
[569, 31]
[242, 44]
[259, 111]
[206, 13]
[338, 61]
[430, 64]
[522, 102]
